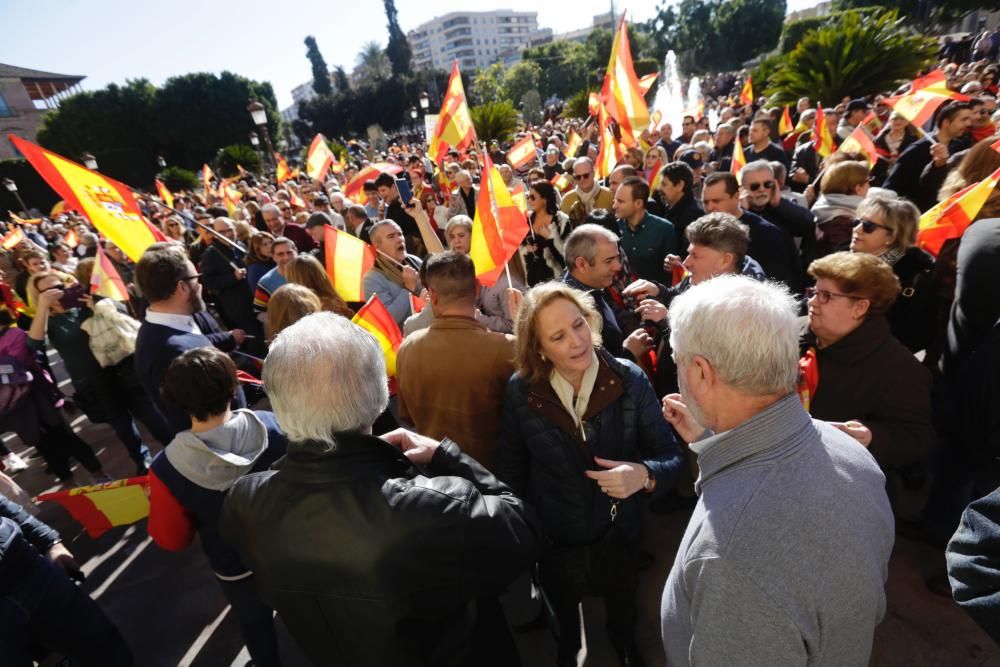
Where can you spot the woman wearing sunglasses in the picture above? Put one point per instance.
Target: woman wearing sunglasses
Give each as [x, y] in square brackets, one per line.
[855, 373]
[887, 228]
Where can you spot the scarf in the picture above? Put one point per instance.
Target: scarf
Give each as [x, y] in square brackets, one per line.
[391, 269]
[576, 406]
[587, 199]
[892, 255]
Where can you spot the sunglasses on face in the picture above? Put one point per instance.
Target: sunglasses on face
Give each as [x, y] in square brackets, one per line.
[754, 187]
[869, 227]
[582, 177]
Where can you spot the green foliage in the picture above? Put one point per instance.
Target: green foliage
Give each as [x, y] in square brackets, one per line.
[521, 78]
[531, 107]
[321, 76]
[731, 22]
[178, 178]
[488, 85]
[494, 121]
[186, 121]
[578, 105]
[762, 73]
[398, 49]
[563, 65]
[35, 192]
[238, 154]
[851, 56]
[372, 63]
[793, 32]
[925, 13]
[340, 79]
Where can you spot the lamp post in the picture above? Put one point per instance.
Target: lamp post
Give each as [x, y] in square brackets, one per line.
[259, 115]
[255, 142]
[90, 162]
[413, 117]
[12, 188]
[425, 101]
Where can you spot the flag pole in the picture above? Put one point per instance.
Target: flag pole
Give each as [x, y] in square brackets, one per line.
[215, 234]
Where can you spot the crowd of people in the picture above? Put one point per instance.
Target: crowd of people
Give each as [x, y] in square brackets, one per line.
[766, 348]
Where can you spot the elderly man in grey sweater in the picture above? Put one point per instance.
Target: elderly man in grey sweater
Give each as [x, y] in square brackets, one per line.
[785, 558]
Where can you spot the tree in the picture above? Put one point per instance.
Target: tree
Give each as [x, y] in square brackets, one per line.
[488, 86]
[321, 76]
[563, 65]
[735, 18]
[177, 179]
[398, 48]
[521, 78]
[231, 158]
[372, 63]
[851, 56]
[340, 79]
[531, 107]
[923, 13]
[494, 121]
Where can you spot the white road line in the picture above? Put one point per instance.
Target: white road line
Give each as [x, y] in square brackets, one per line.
[201, 640]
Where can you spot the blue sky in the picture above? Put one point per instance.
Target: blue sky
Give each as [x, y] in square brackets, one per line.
[114, 40]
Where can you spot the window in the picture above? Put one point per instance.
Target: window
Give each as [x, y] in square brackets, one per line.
[4, 109]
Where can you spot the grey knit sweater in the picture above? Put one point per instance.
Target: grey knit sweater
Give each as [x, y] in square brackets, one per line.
[785, 558]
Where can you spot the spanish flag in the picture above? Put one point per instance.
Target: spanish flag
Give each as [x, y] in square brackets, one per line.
[746, 95]
[206, 178]
[954, 215]
[926, 94]
[499, 226]
[101, 507]
[348, 259]
[23, 221]
[655, 175]
[593, 104]
[519, 197]
[739, 160]
[860, 142]
[320, 158]
[295, 199]
[454, 127]
[12, 239]
[354, 190]
[562, 182]
[374, 318]
[283, 173]
[609, 154]
[108, 204]
[573, 143]
[785, 125]
[621, 93]
[522, 153]
[164, 193]
[105, 280]
[646, 82]
[71, 239]
[823, 138]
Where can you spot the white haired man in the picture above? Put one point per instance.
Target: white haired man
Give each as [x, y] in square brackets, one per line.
[785, 558]
[379, 551]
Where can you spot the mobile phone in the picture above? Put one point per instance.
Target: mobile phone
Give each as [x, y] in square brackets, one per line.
[405, 193]
[71, 296]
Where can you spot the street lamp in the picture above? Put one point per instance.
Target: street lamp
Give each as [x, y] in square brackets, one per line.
[259, 115]
[425, 101]
[161, 162]
[254, 140]
[90, 162]
[413, 117]
[12, 188]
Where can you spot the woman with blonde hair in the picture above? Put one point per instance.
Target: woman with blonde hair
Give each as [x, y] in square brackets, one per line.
[289, 304]
[306, 270]
[842, 187]
[583, 438]
[258, 258]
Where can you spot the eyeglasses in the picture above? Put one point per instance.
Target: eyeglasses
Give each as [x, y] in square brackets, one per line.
[754, 187]
[581, 177]
[869, 227]
[196, 276]
[824, 296]
[530, 197]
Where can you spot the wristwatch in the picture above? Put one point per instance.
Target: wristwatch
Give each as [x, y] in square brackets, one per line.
[650, 482]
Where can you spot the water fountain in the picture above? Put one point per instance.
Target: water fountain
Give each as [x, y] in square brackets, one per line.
[669, 100]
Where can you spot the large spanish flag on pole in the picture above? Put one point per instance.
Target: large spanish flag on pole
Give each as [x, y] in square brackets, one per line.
[454, 127]
[319, 159]
[348, 259]
[101, 507]
[105, 280]
[955, 217]
[108, 204]
[621, 93]
[499, 227]
[374, 318]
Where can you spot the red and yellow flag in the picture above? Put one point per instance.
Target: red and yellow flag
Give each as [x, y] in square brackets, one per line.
[646, 82]
[348, 259]
[621, 93]
[354, 190]
[319, 158]
[519, 197]
[954, 215]
[295, 200]
[454, 127]
[593, 103]
[499, 226]
[101, 507]
[282, 173]
[374, 318]
[71, 239]
[416, 304]
[22, 221]
[573, 143]
[822, 136]
[105, 280]
[785, 125]
[739, 160]
[610, 152]
[522, 153]
[108, 204]
[12, 239]
[206, 178]
[562, 182]
[926, 94]
[746, 95]
[164, 193]
[654, 175]
[860, 142]
[936, 83]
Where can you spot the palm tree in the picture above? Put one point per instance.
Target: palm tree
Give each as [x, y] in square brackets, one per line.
[372, 63]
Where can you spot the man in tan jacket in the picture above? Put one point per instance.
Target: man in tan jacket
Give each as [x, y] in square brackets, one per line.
[587, 195]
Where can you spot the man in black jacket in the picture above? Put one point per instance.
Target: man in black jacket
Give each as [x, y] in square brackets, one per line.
[374, 551]
[223, 273]
[677, 190]
[39, 604]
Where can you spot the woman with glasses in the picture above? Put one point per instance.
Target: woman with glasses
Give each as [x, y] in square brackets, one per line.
[887, 228]
[855, 373]
[542, 248]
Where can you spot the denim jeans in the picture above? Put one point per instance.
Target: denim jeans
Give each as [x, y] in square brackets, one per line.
[46, 610]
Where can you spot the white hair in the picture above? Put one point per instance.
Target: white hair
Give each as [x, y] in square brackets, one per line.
[756, 165]
[325, 375]
[747, 330]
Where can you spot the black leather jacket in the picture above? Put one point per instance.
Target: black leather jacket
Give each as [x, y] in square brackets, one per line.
[371, 561]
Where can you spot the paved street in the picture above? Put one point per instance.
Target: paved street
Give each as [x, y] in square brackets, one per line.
[172, 612]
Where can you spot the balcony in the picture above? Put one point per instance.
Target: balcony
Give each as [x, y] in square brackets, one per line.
[458, 20]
